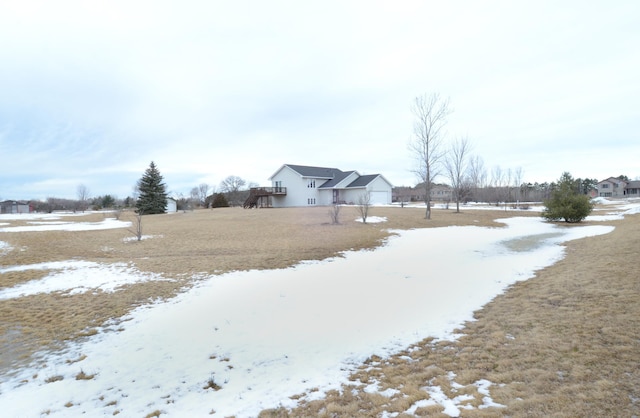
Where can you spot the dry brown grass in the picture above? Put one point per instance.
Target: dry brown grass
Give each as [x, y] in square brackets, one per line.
[566, 343]
[203, 241]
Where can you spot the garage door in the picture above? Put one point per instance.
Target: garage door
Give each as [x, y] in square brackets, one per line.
[380, 198]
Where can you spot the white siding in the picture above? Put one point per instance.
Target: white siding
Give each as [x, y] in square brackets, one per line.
[325, 197]
[300, 194]
[379, 198]
[380, 191]
[298, 191]
[350, 196]
[172, 206]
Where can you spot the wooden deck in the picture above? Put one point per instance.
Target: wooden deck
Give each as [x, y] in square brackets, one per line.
[259, 196]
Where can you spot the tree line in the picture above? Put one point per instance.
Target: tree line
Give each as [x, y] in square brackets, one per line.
[150, 195]
[465, 174]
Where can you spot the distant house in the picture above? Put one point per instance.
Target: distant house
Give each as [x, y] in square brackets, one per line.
[439, 192]
[300, 185]
[14, 206]
[615, 187]
[633, 188]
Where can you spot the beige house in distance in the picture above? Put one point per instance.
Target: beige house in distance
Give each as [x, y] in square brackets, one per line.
[615, 187]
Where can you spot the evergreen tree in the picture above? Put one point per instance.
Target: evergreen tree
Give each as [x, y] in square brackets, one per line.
[567, 202]
[153, 192]
[219, 201]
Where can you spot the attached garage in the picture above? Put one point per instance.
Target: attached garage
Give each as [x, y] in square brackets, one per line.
[380, 197]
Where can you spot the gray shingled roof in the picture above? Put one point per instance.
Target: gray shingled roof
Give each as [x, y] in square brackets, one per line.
[333, 175]
[317, 172]
[337, 179]
[363, 180]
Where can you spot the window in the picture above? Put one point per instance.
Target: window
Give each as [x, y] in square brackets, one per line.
[605, 186]
[311, 184]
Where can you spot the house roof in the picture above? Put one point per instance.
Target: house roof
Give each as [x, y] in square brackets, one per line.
[13, 202]
[362, 181]
[612, 180]
[634, 184]
[337, 179]
[333, 176]
[317, 172]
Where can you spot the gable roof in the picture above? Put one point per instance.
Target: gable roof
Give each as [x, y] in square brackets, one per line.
[337, 179]
[613, 180]
[362, 181]
[317, 172]
[333, 176]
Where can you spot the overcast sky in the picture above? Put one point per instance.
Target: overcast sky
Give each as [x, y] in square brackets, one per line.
[92, 92]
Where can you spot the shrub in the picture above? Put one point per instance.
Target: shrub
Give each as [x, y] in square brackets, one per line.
[567, 202]
[219, 201]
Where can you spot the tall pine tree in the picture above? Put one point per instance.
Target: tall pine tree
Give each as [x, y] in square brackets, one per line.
[153, 192]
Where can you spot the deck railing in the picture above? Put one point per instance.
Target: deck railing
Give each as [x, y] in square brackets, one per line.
[268, 191]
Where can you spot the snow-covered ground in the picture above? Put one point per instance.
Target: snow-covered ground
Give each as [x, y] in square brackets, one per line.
[73, 277]
[263, 336]
[51, 223]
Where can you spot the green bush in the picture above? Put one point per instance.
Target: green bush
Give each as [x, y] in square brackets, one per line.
[567, 202]
[219, 201]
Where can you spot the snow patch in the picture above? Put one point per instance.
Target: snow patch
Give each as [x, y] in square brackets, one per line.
[109, 223]
[74, 277]
[267, 335]
[373, 219]
[453, 405]
[142, 238]
[4, 247]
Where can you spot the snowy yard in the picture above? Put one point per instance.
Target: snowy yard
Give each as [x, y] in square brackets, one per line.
[260, 337]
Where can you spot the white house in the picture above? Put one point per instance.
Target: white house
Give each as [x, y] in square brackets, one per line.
[300, 185]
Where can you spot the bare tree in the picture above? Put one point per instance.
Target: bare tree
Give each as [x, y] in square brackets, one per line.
[203, 192]
[136, 228]
[478, 178]
[517, 183]
[495, 184]
[456, 165]
[232, 186]
[83, 196]
[363, 205]
[194, 195]
[430, 114]
[501, 182]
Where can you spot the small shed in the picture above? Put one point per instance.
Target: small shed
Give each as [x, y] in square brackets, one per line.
[172, 205]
